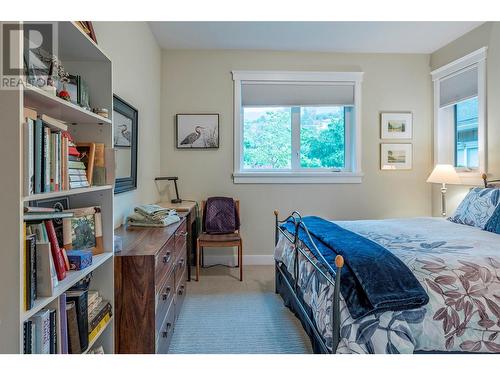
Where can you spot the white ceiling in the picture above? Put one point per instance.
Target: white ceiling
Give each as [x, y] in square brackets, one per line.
[364, 37]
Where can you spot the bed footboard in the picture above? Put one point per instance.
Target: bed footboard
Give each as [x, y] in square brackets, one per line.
[296, 218]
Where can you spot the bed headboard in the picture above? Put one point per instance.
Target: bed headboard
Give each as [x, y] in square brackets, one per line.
[490, 183]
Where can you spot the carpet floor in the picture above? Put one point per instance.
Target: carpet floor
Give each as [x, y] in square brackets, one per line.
[222, 315]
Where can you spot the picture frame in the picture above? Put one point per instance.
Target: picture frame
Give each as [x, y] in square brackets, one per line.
[197, 131]
[396, 156]
[396, 125]
[87, 156]
[125, 121]
[87, 28]
[83, 231]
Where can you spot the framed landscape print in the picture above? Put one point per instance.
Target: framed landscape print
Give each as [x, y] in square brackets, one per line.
[396, 125]
[83, 231]
[396, 156]
[197, 131]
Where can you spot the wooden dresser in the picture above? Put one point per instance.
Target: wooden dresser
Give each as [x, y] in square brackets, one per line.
[150, 286]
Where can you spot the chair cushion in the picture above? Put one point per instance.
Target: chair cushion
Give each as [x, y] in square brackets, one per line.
[219, 237]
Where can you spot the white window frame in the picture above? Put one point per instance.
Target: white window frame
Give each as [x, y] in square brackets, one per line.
[444, 138]
[297, 174]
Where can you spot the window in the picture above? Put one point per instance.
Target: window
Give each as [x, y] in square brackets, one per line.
[459, 115]
[466, 126]
[296, 127]
[268, 143]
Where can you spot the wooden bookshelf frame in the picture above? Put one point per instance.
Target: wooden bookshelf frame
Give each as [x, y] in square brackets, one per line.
[79, 55]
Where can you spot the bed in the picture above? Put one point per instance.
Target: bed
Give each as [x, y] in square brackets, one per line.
[457, 265]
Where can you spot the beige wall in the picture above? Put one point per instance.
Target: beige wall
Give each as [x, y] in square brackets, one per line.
[136, 69]
[486, 35]
[200, 81]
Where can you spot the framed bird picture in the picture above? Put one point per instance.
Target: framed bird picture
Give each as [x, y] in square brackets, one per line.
[197, 131]
[125, 123]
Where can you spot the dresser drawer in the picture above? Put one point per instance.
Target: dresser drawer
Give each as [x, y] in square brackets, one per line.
[180, 293]
[164, 334]
[164, 298]
[164, 261]
[180, 239]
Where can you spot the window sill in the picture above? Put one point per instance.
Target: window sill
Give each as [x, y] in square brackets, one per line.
[297, 177]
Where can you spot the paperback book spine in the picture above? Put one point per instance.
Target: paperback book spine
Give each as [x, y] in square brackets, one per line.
[38, 155]
[46, 159]
[29, 157]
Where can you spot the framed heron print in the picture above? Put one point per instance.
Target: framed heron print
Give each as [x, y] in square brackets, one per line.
[125, 122]
[197, 131]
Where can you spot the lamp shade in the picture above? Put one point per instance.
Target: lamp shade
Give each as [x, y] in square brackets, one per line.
[444, 174]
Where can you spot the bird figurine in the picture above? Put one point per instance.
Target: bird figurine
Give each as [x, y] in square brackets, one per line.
[193, 137]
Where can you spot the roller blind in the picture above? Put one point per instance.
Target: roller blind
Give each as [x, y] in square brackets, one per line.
[290, 94]
[458, 87]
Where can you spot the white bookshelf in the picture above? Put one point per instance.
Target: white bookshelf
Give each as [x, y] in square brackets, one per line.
[79, 55]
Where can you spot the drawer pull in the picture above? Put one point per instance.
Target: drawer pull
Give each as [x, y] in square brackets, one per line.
[167, 330]
[166, 258]
[181, 290]
[181, 262]
[165, 295]
[182, 234]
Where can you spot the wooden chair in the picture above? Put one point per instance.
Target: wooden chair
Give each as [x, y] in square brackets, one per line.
[220, 240]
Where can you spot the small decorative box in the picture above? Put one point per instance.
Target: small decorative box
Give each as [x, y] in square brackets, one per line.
[79, 259]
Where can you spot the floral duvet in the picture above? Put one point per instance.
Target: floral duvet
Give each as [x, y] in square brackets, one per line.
[458, 266]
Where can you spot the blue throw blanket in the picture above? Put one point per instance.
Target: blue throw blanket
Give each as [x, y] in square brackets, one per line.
[373, 279]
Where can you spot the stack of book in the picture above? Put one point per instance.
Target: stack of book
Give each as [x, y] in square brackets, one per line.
[77, 170]
[45, 153]
[45, 262]
[87, 315]
[99, 313]
[40, 333]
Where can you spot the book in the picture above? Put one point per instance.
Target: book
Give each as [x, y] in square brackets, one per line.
[99, 174]
[35, 216]
[46, 275]
[27, 339]
[63, 324]
[29, 156]
[100, 326]
[103, 308]
[31, 284]
[38, 144]
[79, 259]
[42, 332]
[73, 333]
[76, 165]
[77, 172]
[47, 160]
[30, 209]
[53, 331]
[81, 306]
[57, 255]
[53, 123]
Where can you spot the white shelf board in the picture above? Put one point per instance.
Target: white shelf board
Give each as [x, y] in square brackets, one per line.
[72, 277]
[74, 44]
[93, 341]
[62, 193]
[60, 109]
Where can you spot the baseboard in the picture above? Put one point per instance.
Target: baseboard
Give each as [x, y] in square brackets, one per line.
[248, 260]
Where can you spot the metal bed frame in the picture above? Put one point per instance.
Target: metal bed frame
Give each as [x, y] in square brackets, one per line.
[296, 218]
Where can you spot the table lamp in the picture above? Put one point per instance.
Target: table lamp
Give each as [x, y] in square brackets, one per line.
[444, 174]
[177, 199]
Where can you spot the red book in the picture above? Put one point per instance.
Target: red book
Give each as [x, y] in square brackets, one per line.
[73, 151]
[55, 250]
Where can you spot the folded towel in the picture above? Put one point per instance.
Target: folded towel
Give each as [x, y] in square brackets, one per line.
[152, 210]
[152, 216]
